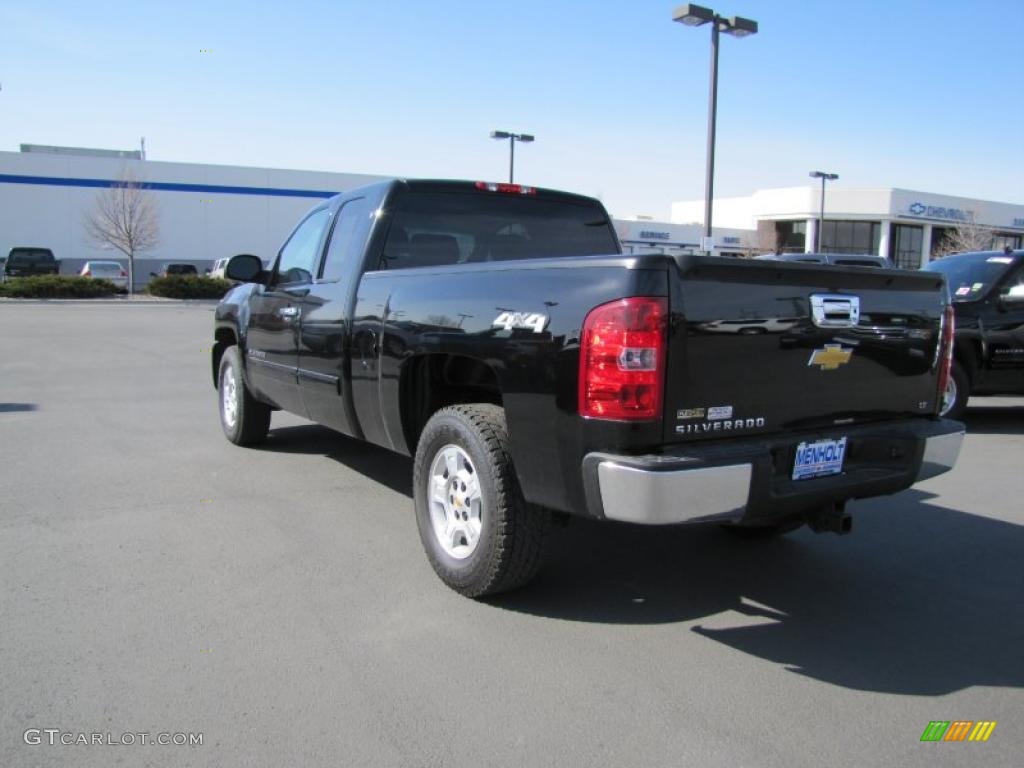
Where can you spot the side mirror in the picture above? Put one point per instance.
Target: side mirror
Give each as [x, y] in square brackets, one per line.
[1014, 296]
[245, 268]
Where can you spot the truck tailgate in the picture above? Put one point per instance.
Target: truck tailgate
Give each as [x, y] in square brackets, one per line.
[756, 348]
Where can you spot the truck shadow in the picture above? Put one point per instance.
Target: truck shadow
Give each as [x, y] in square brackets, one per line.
[382, 466]
[994, 420]
[920, 600]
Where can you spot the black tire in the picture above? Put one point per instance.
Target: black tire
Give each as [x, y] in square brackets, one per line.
[959, 392]
[252, 418]
[510, 545]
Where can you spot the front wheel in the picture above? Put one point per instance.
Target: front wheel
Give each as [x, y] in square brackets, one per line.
[479, 533]
[245, 419]
[958, 389]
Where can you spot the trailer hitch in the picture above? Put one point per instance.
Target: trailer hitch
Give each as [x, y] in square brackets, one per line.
[831, 518]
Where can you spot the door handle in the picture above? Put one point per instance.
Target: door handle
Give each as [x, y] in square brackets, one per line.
[288, 313]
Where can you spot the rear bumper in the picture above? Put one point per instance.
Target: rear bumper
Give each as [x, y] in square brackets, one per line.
[749, 480]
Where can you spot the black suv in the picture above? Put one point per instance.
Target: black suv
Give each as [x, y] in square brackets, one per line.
[988, 298]
[25, 262]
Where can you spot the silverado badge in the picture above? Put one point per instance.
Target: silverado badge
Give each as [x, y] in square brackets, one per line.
[830, 357]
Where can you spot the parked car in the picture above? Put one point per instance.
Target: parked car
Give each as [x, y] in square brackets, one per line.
[176, 268]
[218, 268]
[26, 262]
[107, 270]
[497, 333]
[987, 289]
[835, 259]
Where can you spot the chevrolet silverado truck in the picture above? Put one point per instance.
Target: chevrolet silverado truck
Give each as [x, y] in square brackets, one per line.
[496, 333]
[988, 298]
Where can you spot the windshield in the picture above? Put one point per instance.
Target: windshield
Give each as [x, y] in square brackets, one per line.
[22, 257]
[970, 275]
[438, 228]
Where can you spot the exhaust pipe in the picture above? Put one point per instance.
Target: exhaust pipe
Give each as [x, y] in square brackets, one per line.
[831, 518]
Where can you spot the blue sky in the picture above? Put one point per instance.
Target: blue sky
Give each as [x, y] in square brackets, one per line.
[924, 95]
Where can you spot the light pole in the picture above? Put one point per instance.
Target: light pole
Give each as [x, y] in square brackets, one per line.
[821, 215]
[512, 139]
[695, 16]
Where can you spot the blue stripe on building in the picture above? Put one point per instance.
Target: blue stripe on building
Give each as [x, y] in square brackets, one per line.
[161, 186]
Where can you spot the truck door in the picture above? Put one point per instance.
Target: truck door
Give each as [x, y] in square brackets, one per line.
[272, 339]
[1003, 337]
[323, 354]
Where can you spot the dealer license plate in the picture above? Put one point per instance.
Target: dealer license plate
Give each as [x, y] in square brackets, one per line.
[818, 459]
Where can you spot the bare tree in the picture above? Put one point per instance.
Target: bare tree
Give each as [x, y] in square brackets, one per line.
[125, 217]
[964, 237]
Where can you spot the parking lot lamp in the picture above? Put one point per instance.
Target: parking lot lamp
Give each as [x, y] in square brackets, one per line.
[695, 16]
[526, 138]
[821, 215]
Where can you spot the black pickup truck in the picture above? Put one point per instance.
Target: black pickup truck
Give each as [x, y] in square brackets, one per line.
[496, 333]
[29, 262]
[988, 297]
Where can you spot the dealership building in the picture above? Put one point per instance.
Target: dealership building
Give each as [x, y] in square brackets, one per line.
[208, 212]
[906, 226]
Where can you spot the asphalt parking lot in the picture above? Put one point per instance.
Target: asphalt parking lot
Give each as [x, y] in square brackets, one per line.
[157, 579]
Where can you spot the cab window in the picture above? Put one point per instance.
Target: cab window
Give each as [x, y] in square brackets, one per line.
[350, 225]
[295, 263]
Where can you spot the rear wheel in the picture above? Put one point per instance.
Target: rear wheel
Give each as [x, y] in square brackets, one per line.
[244, 419]
[479, 533]
[958, 389]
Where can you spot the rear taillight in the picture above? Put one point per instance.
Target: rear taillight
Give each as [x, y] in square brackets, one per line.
[123, 273]
[945, 363]
[87, 273]
[622, 359]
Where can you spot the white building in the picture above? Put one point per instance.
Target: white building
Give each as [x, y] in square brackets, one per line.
[903, 225]
[644, 235]
[209, 212]
[206, 212]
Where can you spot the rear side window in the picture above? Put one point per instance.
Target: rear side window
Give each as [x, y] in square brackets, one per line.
[349, 233]
[441, 228]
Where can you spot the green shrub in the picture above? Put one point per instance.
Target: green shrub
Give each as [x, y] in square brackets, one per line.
[56, 287]
[188, 287]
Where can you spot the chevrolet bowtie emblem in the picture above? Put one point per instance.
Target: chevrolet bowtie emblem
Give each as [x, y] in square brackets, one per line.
[830, 357]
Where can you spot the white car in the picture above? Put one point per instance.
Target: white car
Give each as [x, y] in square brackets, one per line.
[218, 268]
[107, 270]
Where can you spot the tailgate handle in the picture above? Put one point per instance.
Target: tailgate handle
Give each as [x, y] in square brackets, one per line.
[835, 311]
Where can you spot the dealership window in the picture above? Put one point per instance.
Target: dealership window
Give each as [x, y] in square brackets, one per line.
[940, 240]
[905, 246]
[790, 236]
[850, 237]
[1001, 241]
